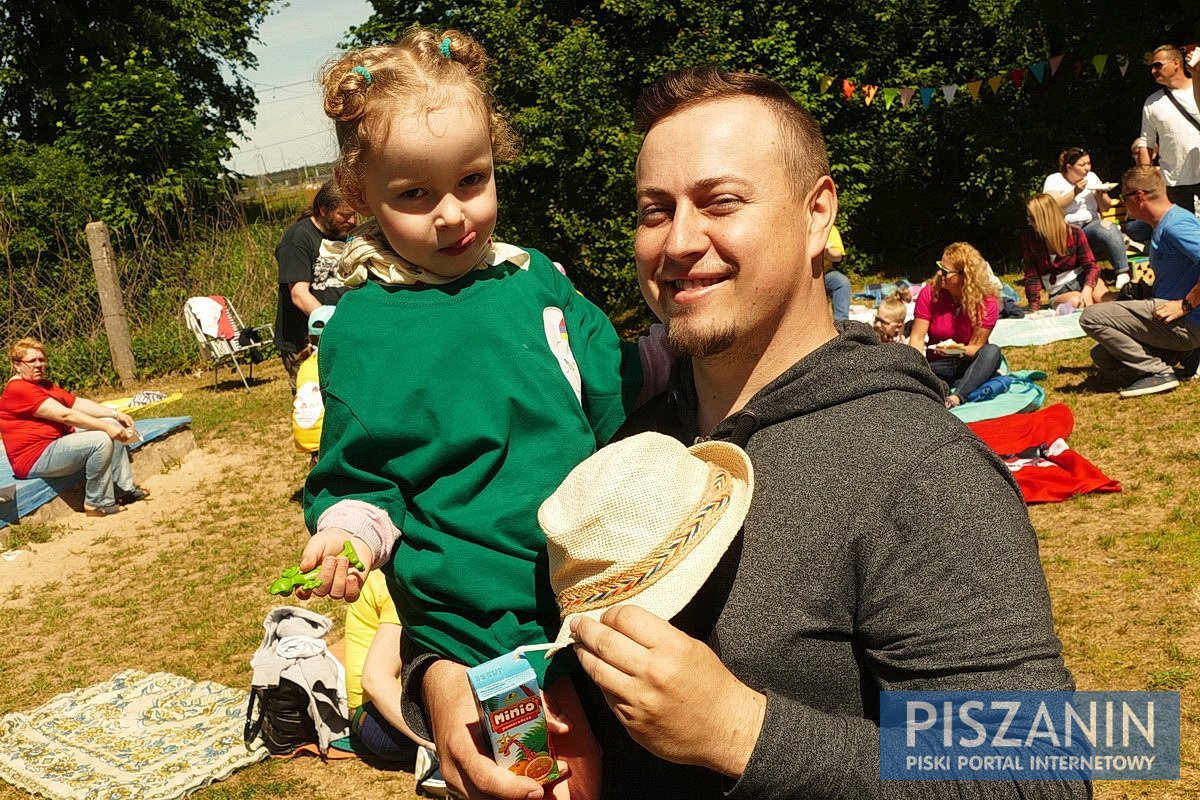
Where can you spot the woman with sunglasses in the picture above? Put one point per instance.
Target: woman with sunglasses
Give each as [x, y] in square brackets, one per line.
[1057, 257]
[49, 432]
[1083, 197]
[957, 313]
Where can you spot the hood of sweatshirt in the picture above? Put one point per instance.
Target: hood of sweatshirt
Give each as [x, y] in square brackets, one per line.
[851, 366]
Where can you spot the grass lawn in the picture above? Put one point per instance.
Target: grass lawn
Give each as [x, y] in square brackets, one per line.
[180, 584]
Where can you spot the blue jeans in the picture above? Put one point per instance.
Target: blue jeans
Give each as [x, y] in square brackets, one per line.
[1110, 241]
[381, 738]
[1139, 231]
[103, 461]
[837, 286]
[965, 375]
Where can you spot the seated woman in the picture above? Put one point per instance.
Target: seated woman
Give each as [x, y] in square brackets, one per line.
[1057, 256]
[957, 312]
[1080, 194]
[49, 432]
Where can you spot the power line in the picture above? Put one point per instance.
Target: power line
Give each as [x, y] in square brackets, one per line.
[285, 141]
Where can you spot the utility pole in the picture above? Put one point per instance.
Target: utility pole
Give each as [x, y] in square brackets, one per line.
[116, 321]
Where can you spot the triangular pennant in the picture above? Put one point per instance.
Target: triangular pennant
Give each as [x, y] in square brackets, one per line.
[826, 82]
[1098, 62]
[1054, 62]
[889, 97]
[1038, 70]
[926, 96]
[1018, 77]
[973, 87]
[869, 90]
[949, 91]
[1122, 63]
[847, 88]
[994, 83]
[906, 96]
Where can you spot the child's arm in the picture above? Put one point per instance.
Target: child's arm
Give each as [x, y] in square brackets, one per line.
[367, 527]
[381, 678]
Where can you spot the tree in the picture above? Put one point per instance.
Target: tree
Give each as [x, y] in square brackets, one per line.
[910, 179]
[48, 47]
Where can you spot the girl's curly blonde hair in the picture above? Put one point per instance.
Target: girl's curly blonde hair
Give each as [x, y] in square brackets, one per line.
[978, 283]
[424, 69]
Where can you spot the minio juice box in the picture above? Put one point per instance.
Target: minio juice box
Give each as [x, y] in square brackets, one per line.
[510, 710]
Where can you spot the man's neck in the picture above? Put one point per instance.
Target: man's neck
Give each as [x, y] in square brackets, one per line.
[1156, 210]
[316, 221]
[1180, 81]
[726, 382]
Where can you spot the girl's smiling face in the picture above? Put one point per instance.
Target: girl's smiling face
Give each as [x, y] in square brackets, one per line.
[430, 184]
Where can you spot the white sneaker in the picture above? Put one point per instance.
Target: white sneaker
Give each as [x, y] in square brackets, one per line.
[1122, 279]
[429, 775]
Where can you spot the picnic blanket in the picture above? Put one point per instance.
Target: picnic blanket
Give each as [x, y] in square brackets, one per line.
[150, 736]
[32, 493]
[1034, 446]
[141, 401]
[1036, 329]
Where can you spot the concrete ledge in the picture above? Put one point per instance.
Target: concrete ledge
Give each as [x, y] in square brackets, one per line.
[152, 458]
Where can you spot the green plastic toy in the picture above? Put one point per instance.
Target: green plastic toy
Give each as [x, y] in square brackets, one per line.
[292, 578]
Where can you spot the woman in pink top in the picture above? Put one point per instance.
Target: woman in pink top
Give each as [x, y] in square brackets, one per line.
[957, 312]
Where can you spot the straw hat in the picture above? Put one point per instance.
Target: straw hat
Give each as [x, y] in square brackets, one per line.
[643, 522]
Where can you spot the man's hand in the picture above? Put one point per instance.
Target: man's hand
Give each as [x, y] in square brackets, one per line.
[661, 683]
[338, 580]
[466, 764]
[1169, 310]
[1086, 297]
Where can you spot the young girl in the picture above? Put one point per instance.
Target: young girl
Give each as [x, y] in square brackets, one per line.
[889, 318]
[464, 378]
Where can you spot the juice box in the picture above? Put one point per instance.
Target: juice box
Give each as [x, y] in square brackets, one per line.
[513, 717]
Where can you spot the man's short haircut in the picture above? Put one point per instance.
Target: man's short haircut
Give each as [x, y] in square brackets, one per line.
[1171, 50]
[803, 147]
[1147, 179]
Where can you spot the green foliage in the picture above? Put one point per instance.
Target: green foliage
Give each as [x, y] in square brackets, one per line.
[157, 153]
[46, 49]
[910, 179]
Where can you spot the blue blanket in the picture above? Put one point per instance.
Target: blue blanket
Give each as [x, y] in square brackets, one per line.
[18, 498]
[1023, 396]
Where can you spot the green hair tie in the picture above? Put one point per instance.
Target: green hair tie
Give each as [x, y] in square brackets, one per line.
[444, 47]
[366, 74]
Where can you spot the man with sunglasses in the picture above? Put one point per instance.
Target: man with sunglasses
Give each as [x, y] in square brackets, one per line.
[1171, 121]
[1138, 341]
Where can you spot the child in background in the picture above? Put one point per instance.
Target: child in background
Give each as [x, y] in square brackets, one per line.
[889, 319]
[308, 409]
[837, 285]
[463, 379]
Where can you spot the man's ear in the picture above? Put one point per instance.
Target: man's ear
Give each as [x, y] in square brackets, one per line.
[822, 211]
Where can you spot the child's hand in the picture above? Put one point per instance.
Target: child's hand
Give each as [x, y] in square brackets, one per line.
[338, 580]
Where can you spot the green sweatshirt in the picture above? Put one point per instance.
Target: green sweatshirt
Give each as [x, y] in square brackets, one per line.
[452, 409]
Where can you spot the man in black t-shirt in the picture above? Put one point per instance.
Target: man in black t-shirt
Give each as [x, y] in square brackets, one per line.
[307, 256]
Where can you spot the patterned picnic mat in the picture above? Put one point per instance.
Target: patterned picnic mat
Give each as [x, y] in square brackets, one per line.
[150, 736]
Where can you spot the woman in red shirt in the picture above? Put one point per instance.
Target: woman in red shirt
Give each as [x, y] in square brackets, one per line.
[1058, 257]
[49, 432]
[957, 312]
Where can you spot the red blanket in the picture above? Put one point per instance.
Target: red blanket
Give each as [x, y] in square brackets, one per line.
[1035, 448]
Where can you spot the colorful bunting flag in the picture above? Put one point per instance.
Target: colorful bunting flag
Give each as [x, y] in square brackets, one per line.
[1054, 62]
[1038, 70]
[847, 88]
[994, 83]
[1098, 62]
[949, 91]
[869, 90]
[1018, 77]
[906, 96]
[889, 97]
[826, 82]
[926, 96]
[973, 87]
[1122, 63]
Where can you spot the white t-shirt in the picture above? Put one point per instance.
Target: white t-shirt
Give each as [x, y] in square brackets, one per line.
[1084, 208]
[1178, 140]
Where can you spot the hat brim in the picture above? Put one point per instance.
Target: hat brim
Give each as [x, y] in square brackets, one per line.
[674, 590]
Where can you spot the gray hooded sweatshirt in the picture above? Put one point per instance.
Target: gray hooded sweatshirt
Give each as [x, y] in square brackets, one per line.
[886, 548]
